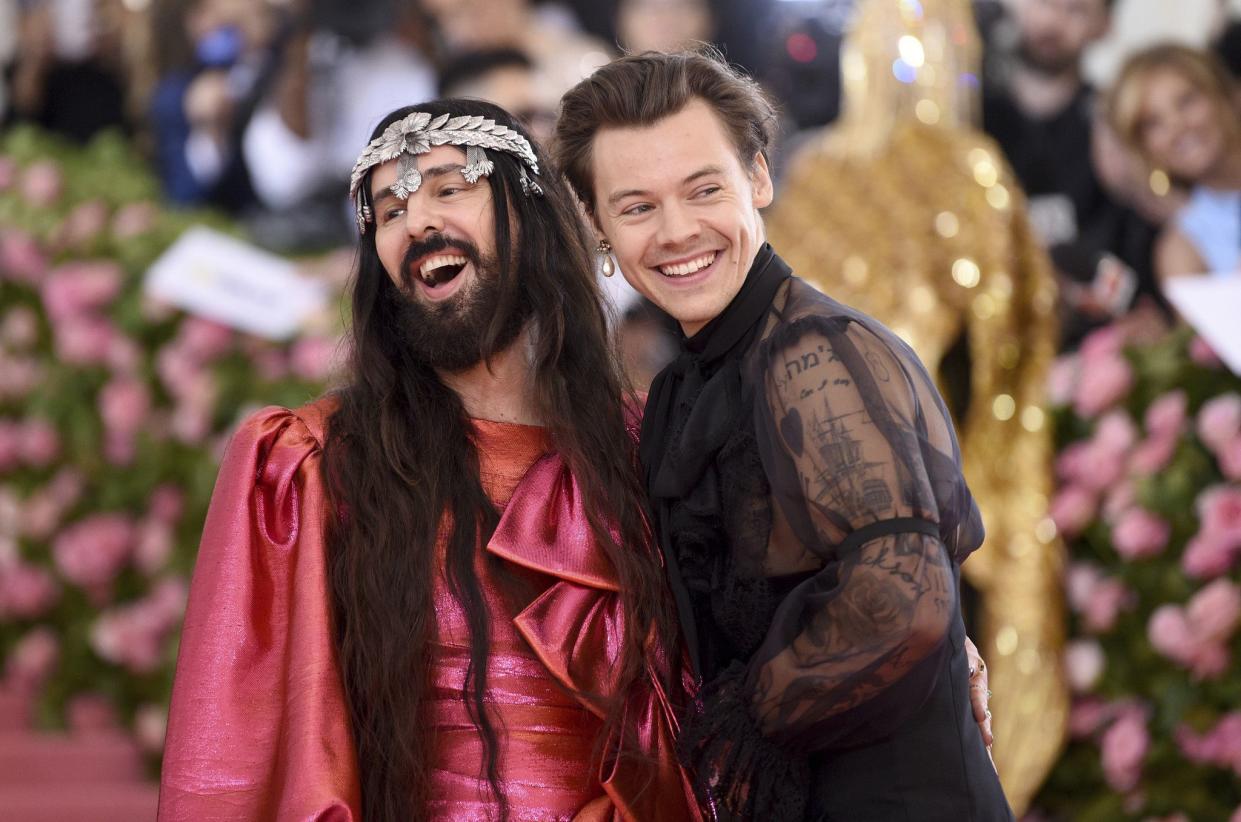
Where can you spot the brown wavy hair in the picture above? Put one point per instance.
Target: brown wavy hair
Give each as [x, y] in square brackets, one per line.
[642, 89]
[401, 466]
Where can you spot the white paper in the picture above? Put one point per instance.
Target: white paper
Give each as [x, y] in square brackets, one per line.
[232, 282]
[1212, 305]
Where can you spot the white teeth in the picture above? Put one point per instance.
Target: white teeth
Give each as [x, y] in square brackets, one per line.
[439, 261]
[685, 269]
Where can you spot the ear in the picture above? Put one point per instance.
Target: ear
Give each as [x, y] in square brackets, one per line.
[760, 181]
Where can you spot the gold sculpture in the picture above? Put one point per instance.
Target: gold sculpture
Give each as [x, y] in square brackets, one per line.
[906, 212]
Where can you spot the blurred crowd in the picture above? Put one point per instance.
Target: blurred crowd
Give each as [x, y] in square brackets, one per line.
[259, 107]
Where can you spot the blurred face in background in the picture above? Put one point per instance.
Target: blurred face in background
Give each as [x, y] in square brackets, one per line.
[1181, 128]
[515, 89]
[663, 25]
[1054, 33]
[468, 25]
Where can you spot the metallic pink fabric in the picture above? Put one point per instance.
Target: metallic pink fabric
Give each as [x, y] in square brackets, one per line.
[258, 727]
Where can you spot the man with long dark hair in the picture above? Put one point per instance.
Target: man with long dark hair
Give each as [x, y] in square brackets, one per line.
[430, 595]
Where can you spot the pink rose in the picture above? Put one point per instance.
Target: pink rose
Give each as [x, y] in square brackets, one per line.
[1166, 416]
[204, 339]
[1153, 454]
[166, 504]
[21, 259]
[76, 288]
[1124, 746]
[40, 442]
[1109, 598]
[19, 376]
[150, 726]
[33, 659]
[91, 552]
[1103, 343]
[124, 355]
[1170, 634]
[1122, 496]
[1062, 381]
[1072, 509]
[1140, 534]
[133, 219]
[1214, 611]
[1083, 664]
[20, 328]
[40, 515]
[1087, 715]
[1115, 433]
[1219, 510]
[84, 340]
[27, 591]
[179, 370]
[1219, 421]
[42, 183]
[1201, 352]
[124, 404]
[311, 358]
[1208, 555]
[154, 547]
[1104, 383]
[84, 223]
[1210, 661]
[271, 364]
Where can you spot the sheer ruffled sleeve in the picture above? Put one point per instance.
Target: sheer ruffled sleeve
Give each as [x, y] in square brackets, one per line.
[864, 466]
[258, 726]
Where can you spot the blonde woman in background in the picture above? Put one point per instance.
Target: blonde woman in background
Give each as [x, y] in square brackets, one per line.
[1179, 109]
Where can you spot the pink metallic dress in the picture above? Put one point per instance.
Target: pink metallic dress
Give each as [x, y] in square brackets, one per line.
[258, 727]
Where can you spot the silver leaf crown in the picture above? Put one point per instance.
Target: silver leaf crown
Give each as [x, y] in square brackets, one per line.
[405, 139]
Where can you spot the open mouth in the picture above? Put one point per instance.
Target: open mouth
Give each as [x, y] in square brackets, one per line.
[688, 267]
[439, 269]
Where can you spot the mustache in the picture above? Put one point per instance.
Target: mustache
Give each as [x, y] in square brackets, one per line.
[434, 244]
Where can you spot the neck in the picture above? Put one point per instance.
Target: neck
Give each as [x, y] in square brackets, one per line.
[1039, 94]
[502, 389]
[1226, 174]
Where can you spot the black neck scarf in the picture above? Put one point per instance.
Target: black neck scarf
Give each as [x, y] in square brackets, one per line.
[693, 406]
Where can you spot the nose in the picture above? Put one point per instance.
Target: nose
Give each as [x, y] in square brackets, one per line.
[421, 218]
[677, 227]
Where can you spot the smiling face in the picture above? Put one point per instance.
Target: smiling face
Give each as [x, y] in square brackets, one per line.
[680, 210]
[438, 249]
[1179, 127]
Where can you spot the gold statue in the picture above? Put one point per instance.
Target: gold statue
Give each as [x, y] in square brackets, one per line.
[906, 212]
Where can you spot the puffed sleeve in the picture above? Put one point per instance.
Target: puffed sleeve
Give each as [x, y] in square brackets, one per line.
[258, 727]
[863, 462]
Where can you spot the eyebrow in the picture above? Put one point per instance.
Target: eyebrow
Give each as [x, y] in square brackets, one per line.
[705, 171]
[427, 174]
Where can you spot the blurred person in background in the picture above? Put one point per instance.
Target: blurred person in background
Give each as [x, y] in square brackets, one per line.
[1179, 108]
[663, 25]
[506, 77]
[1226, 37]
[1040, 109]
[548, 34]
[213, 57]
[343, 68]
[431, 595]
[68, 76]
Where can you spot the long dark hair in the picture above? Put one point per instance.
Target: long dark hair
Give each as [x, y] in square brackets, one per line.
[401, 466]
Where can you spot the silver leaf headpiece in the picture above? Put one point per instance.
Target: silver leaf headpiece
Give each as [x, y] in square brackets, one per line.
[405, 139]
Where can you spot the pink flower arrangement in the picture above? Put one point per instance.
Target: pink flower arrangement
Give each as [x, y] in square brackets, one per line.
[134, 635]
[42, 183]
[1124, 747]
[1221, 746]
[1196, 636]
[19, 329]
[1139, 534]
[26, 591]
[74, 289]
[312, 358]
[91, 552]
[32, 660]
[1084, 662]
[40, 444]
[1219, 421]
[1097, 597]
[1201, 352]
[1105, 382]
[133, 220]
[21, 259]
[150, 727]
[83, 224]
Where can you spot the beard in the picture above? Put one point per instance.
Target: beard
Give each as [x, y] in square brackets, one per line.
[448, 336]
[1050, 61]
